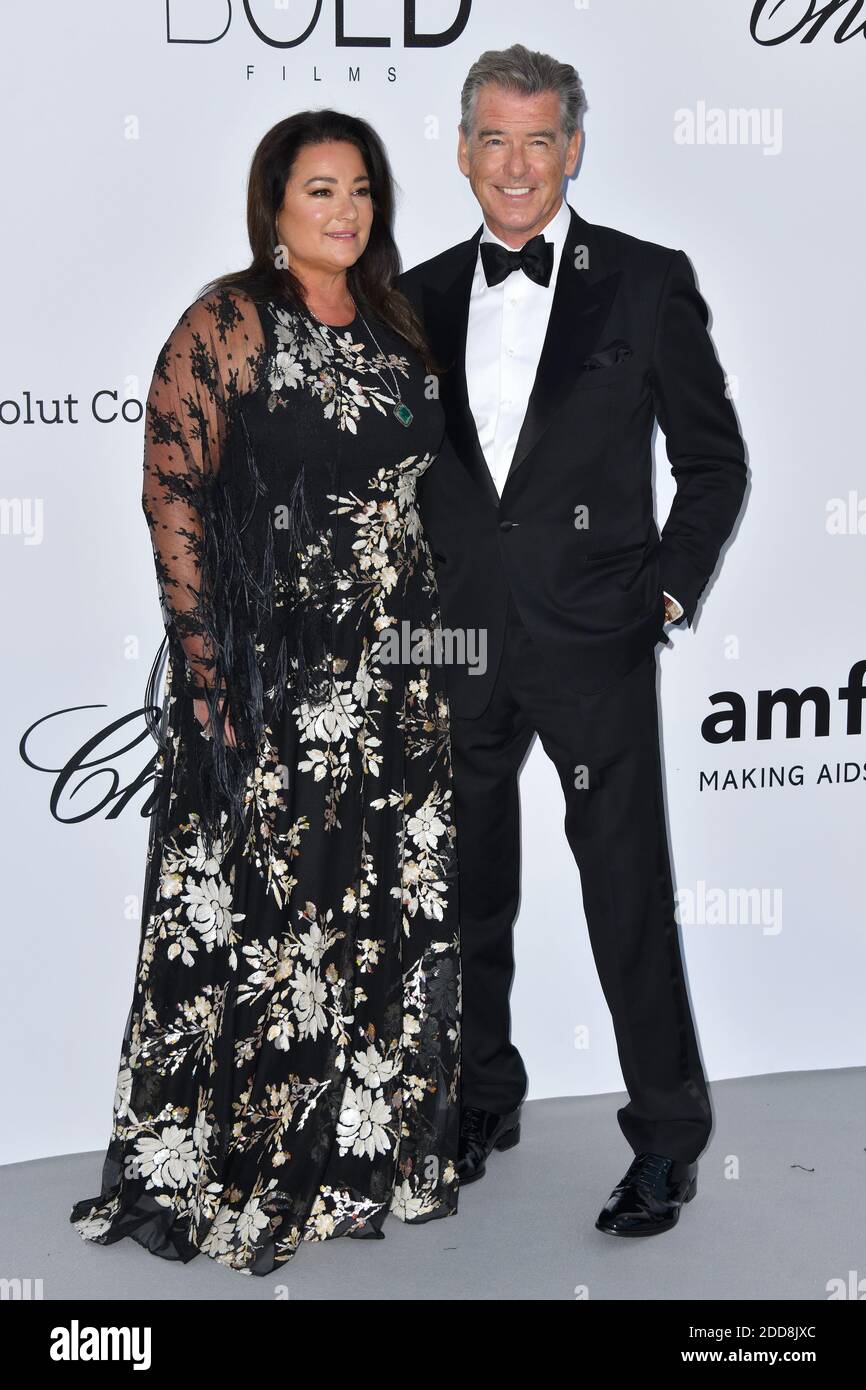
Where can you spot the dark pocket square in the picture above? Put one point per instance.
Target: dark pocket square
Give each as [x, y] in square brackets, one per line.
[616, 352]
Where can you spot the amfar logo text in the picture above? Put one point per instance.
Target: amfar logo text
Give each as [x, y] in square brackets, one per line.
[730, 723]
[221, 10]
[777, 22]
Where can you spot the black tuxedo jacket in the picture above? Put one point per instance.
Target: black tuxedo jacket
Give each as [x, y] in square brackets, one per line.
[626, 344]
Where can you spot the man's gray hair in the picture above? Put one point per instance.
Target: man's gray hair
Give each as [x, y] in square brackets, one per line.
[518, 69]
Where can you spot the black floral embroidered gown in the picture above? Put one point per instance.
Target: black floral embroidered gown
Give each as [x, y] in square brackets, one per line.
[290, 1066]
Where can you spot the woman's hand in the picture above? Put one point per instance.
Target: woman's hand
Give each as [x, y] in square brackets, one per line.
[202, 714]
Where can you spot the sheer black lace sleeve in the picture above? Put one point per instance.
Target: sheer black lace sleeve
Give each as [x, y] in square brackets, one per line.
[213, 357]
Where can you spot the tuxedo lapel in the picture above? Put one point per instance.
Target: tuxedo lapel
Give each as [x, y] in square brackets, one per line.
[446, 318]
[581, 303]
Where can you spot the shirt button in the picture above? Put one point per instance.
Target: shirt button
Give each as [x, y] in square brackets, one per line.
[507, 525]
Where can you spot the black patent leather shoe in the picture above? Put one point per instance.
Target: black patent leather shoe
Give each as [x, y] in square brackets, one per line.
[481, 1131]
[648, 1199]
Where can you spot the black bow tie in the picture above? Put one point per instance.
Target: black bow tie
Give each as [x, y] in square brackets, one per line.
[535, 259]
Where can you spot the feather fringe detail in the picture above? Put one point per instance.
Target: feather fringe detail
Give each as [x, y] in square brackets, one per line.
[268, 629]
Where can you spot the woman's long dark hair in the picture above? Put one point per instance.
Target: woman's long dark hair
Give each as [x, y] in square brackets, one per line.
[371, 278]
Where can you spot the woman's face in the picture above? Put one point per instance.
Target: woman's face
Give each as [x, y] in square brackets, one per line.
[327, 209]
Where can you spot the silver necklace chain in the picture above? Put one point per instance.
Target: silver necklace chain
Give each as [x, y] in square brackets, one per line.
[384, 359]
[400, 411]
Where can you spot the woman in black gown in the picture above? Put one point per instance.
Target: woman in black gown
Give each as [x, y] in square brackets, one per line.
[290, 1066]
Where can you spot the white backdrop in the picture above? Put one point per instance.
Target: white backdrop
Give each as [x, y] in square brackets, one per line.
[125, 163]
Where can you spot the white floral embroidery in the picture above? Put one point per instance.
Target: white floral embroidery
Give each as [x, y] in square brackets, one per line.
[362, 1128]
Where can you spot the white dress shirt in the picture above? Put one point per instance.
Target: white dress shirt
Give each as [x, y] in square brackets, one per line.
[504, 337]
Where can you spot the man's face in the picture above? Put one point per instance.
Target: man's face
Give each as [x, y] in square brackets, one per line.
[516, 158]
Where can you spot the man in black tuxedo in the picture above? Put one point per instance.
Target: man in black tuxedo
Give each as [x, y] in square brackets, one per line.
[560, 343]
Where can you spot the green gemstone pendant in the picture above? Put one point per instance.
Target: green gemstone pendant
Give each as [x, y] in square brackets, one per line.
[403, 413]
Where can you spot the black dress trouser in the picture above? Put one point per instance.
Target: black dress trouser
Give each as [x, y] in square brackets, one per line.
[615, 826]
